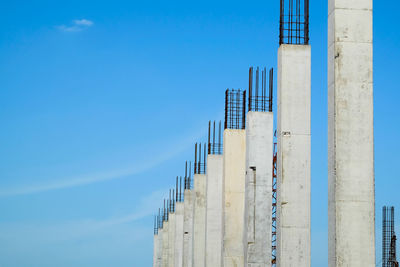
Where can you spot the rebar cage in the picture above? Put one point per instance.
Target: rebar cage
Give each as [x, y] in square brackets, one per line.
[259, 100]
[294, 22]
[200, 166]
[214, 141]
[235, 109]
[388, 238]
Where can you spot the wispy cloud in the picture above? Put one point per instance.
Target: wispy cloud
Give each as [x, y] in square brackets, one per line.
[138, 168]
[147, 206]
[76, 25]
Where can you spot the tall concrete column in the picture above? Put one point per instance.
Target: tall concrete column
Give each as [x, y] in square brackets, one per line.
[171, 239]
[294, 156]
[214, 218]
[179, 214]
[199, 221]
[155, 250]
[160, 248]
[350, 139]
[165, 248]
[188, 228]
[234, 171]
[258, 194]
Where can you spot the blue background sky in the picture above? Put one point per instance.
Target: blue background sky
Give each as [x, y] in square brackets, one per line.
[101, 104]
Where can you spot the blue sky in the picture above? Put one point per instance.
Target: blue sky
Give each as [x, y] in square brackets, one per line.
[102, 102]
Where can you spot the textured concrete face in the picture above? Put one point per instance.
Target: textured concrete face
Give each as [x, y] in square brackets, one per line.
[171, 240]
[155, 250]
[234, 172]
[165, 249]
[294, 156]
[258, 194]
[160, 249]
[350, 139]
[199, 222]
[179, 210]
[188, 228]
[214, 213]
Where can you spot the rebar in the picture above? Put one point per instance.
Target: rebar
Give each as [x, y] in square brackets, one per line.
[294, 22]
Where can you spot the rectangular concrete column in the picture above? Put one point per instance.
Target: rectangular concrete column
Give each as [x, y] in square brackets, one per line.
[155, 250]
[199, 221]
[234, 172]
[350, 139]
[160, 248]
[165, 247]
[258, 194]
[294, 156]
[188, 228]
[171, 239]
[179, 210]
[214, 218]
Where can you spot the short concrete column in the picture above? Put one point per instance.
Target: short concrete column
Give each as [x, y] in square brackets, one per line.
[294, 156]
[171, 239]
[351, 134]
[165, 249]
[214, 218]
[234, 172]
[199, 221]
[188, 228]
[258, 195]
[179, 214]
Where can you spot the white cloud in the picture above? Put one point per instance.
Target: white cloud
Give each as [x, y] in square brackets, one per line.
[76, 26]
[138, 168]
[84, 22]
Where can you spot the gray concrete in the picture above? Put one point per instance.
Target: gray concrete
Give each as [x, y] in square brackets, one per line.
[160, 249]
[188, 228]
[258, 194]
[234, 172]
[165, 250]
[171, 240]
[179, 210]
[199, 221]
[350, 139]
[214, 215]
[155, 250]
[294, 156]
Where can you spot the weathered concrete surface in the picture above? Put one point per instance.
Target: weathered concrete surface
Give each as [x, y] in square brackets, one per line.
[350, 134]
[188, 228]
[155, 250]
[258, 194]
[234, 172]
[294, 156]
[160, 249]
[199, 221]
[214, 215]
[171, 240]
[165, 249]
[179, 210]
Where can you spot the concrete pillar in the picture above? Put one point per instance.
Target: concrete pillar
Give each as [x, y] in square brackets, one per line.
[294, 156]
[179, 210]
[214, 215]
[199, 221]
[350, 134]
[258, 194]
[234, 171]
[165, 249]
[160, 248]
[188, 228]
[171, 239]
[155, 250]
